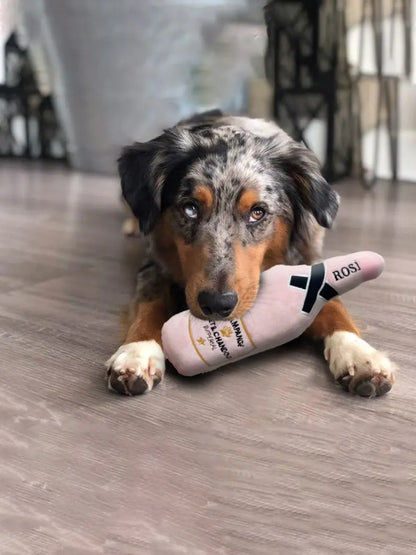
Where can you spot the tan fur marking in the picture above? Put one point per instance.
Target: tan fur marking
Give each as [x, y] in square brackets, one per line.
[149, 320]
[193, 260]
[248, 199]
[204, 195]
[185, 262]
[278, 246]
[333, 317]
[245, 282]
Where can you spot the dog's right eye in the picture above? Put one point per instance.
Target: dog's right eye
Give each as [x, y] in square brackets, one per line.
[257, 213]
[190, 209]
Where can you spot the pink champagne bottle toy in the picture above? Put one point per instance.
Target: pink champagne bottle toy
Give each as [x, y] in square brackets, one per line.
[289, 299]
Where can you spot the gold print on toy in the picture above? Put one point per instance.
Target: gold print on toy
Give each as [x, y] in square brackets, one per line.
[230, 340]
[226, 331]
[219, 339]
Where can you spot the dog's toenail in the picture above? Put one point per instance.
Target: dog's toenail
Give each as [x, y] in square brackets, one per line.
[344, 382]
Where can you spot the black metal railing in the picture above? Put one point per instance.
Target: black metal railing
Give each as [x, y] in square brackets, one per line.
[29, 127]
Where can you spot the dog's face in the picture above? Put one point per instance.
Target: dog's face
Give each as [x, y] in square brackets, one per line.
[223, 204]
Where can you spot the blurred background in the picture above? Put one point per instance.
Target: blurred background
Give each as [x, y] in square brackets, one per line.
[78, 78]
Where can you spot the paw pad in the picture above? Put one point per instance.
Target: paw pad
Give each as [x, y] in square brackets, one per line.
[366, 386]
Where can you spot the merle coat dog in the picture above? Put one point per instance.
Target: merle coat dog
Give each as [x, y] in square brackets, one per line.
[220, 199]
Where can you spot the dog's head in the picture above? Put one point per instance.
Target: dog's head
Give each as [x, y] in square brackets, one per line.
[223, 204]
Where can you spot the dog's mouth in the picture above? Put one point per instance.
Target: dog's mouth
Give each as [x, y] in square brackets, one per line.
[214, 317]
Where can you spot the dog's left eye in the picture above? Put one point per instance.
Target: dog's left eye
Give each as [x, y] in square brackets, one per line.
[190, 210]
[257, 213]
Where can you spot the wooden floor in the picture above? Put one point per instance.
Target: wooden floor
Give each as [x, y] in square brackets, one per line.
[267, 456]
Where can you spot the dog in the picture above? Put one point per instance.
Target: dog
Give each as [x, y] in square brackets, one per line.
[220, 199]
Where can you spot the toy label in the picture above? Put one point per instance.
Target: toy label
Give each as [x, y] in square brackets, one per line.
[214, 341]
[345, 271]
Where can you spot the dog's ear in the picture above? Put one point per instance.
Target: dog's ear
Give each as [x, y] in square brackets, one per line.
[144, 169]
[134, 166]
[306, 183]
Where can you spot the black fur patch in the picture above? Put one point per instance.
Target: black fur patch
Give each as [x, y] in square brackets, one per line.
[133, 167]
[306, 188]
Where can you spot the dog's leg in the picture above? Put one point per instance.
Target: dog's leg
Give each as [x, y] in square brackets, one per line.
[357, 366]
[139, 364]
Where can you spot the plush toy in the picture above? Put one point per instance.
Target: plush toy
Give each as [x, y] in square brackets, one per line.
[288, 300]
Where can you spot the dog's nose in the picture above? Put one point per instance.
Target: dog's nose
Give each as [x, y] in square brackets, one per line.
[214, 303]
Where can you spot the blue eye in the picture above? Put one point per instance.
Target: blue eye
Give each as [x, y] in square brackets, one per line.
[256, 214]
[190, 209]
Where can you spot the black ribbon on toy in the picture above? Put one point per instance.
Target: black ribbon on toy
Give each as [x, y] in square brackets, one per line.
[314, 286]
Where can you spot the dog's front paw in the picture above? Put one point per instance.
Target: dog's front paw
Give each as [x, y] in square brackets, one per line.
[358, 367]
[136, 367]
